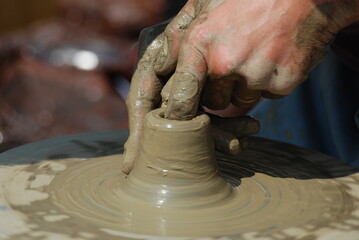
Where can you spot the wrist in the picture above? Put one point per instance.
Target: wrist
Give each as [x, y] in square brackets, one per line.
[341, 12]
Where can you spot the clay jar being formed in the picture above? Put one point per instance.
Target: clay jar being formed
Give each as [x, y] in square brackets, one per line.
[176, 166]
[74, 185]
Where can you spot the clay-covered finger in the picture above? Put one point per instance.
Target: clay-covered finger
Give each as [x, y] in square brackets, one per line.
[165, 93]
[187, 83]
[217, 93]
[238, 126]
[166, 59]
[225, 142]
[243, 96]
[144, 94]
[130, 153]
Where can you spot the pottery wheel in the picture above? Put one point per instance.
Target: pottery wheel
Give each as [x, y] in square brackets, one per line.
[67, 188]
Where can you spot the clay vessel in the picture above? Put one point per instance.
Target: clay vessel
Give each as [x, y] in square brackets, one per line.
[176, 167]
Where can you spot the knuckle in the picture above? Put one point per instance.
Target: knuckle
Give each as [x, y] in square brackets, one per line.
[257, 73]
[186, 17]
[283, 85]
[221, 64]
[198, 34]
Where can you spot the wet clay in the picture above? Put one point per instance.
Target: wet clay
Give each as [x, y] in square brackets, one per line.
[73, 188]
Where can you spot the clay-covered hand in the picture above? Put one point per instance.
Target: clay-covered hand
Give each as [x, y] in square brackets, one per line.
[228, 133]
[236, 51]
[230, 51]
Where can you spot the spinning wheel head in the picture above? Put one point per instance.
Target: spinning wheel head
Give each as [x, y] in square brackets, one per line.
[72, 188]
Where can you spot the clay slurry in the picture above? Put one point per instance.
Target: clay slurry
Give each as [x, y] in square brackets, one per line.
[271, 190]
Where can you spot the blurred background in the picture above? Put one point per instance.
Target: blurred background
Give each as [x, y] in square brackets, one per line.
[65, 65]
[19, 14]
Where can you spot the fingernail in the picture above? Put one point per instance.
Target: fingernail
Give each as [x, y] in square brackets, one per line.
[225, 142]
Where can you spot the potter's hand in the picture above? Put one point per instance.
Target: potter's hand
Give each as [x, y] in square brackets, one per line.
[245, 49]
[144, 96]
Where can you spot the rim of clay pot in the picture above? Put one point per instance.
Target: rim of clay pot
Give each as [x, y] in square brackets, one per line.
[156, 119]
